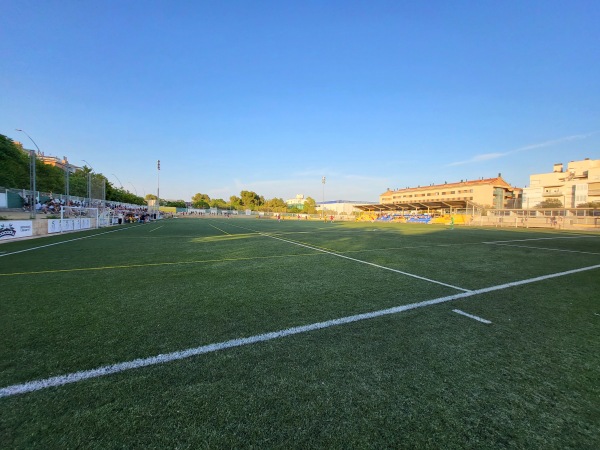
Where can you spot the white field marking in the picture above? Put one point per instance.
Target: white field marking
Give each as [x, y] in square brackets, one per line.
[372, 264]
[579, 236]
[69, 240]
[549, 249]
[479, 319]
[155, 229]
[329, 252]
[183, 354]
[222, 231]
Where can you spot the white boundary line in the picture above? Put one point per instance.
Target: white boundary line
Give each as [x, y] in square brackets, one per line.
[579, 236]
[222, 231]
[545, 248]
[356, 260]
[471, 316]
[155, 229]
[69, 240]
[175, 356]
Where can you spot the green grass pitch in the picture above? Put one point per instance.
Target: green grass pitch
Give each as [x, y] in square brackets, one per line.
[425, 377]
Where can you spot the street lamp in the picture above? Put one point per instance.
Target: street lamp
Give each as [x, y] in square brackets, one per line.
[31, 173]
[118, 180]
[133, 188]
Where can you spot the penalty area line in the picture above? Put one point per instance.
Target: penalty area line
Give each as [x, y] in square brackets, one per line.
[222, 231]
[329, 252]
[471, 316]
[75, 377]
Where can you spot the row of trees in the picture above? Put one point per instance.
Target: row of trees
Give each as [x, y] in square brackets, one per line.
[251, 200]
[15, 166]
[556, 203]
[14, 173]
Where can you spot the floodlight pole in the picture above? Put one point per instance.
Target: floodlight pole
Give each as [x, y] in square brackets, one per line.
[158, 189]
[33, 158]
[323, 204]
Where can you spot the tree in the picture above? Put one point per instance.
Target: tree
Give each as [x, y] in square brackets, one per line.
[201, 201]
[589, 205]
[250, 199]
[235, 202]
[550, 203]
[276, 205]
[78, 184]
[176, 203]
[14, 165]
[218, 203]
[310, 206]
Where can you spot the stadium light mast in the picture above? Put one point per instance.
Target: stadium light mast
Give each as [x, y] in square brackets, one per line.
[323, 204]
[33, 158]
[158, 188]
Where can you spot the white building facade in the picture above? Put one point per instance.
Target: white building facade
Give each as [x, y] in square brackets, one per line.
[579, 184]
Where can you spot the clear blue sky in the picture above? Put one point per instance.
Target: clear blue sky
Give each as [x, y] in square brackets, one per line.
[270, 96]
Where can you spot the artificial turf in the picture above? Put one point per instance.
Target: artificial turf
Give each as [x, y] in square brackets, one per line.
[425, 378]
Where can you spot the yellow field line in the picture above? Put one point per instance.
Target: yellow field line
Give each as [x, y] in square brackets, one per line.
[133, 266]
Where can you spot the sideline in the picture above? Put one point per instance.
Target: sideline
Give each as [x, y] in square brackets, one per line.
[64, 242]
[75, 377]
[579, 236]
[543, 248]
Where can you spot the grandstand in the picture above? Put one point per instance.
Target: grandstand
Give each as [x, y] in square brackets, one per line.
[466, 197]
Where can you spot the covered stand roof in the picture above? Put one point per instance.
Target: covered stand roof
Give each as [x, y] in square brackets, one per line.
[420, 205]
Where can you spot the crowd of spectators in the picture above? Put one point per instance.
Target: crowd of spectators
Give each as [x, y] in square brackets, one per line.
[131, 214]
[51, 206]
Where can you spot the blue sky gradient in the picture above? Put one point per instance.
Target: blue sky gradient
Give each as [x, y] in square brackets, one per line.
[270, 96]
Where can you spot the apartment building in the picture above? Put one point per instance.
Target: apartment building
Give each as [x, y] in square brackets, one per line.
[579, 183]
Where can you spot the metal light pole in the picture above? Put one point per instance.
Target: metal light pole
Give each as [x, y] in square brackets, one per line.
[32, 173]
[89, 182]
[323, 204]
[158, 189]
[118, 180]
[133, 187]
[67, 181]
